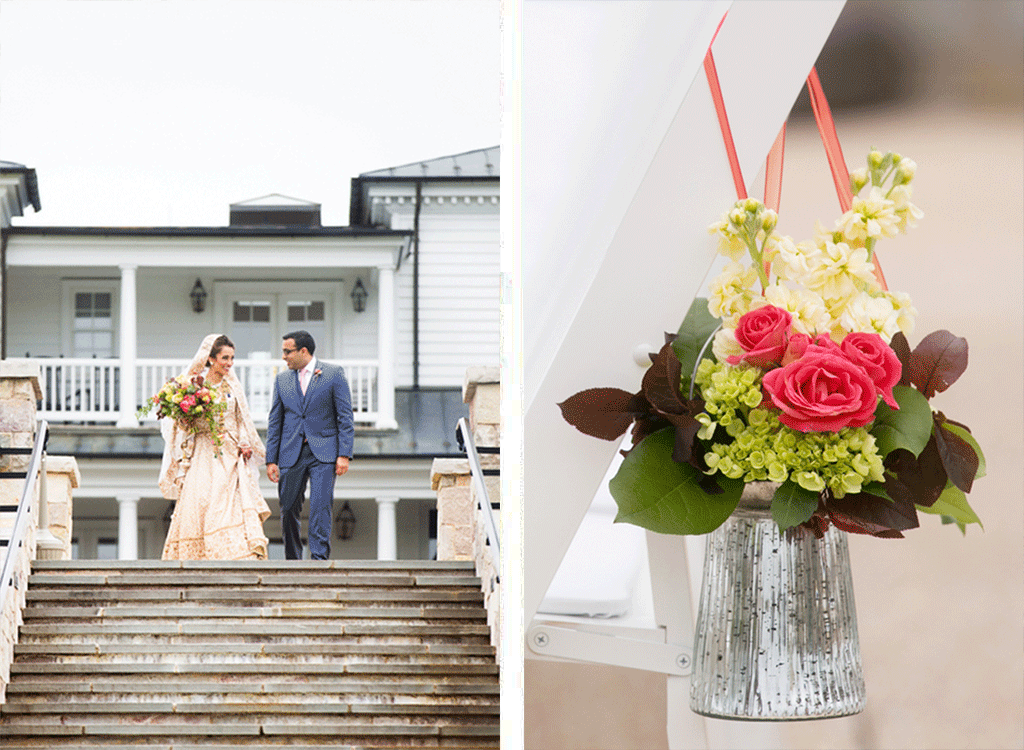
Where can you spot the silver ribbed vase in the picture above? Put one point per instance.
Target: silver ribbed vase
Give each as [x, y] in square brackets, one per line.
[776, 634]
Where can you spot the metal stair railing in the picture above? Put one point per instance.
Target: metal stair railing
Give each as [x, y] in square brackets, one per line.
[31, 475]
[483, 502]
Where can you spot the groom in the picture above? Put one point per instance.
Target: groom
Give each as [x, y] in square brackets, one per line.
[309, 436]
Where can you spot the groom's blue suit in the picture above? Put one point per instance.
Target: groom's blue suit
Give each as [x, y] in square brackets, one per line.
[305, 436]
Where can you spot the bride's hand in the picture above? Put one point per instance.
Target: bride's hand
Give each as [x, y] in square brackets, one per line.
[245, 450]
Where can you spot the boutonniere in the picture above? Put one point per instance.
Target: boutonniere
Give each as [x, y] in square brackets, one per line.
[317, 372]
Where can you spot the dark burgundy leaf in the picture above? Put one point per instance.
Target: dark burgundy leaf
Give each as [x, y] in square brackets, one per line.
[872, 514]
[902, 348]
[918, 480]
[855, 526]
[937, 362]
[661, 382]
[686, 434]
[958, 457]
[604, 413]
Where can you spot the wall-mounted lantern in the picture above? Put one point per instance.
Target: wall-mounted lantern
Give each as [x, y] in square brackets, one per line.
[198, 297]
[359, 296]
[347, 522]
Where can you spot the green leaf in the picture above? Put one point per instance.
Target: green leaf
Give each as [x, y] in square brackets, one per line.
[910, 427]
[697, 328]
[969, 438]
[657, 493]
[953, 503]
[792, 505]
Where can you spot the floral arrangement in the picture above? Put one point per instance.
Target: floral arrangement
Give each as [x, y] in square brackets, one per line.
[191, 402]
[810, 383]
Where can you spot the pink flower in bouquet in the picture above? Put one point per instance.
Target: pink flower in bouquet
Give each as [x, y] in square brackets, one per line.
[878, 359]
[187, 403]
[823, 391]
[795, 347]
[763, 334]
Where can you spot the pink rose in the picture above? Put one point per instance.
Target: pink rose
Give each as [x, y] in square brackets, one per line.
[795, 347]
[187, 403]
[762, 333]
[879, 361]
[823, 391]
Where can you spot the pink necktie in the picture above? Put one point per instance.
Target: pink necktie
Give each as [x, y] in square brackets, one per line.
[303, 377]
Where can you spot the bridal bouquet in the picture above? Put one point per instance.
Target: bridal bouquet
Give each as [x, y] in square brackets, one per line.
[191, 402]
[796, 370]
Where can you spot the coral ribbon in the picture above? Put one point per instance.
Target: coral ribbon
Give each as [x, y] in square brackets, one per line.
[773, 164]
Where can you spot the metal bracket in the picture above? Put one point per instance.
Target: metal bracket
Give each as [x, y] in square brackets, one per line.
[619, 650]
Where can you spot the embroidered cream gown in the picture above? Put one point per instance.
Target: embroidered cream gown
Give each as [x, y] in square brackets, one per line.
[220, 510]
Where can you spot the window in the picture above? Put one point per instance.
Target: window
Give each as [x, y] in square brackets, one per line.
[93, 328]
[89, 318]
[307, 311]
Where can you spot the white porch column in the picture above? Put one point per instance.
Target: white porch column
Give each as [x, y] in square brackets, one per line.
[387, 528]
[128, 346]
[127, 527]
[386, 348]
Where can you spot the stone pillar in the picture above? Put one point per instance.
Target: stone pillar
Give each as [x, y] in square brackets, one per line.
[128, 347]
[19, 391]
[61, 478]
[450, 479]
[387, 528]
[481, 391]
[386, 348]
[127, 527]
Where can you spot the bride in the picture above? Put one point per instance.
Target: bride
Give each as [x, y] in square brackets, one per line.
[220, 510]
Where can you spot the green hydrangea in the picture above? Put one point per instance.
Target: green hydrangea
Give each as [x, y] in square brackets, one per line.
[750, 443]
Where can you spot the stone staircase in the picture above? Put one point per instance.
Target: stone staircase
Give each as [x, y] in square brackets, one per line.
[259, 654]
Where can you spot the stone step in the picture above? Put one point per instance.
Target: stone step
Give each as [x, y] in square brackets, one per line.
[151, 725]
[222, 579]
[136, 707]
[295, 628]
[409, 687]
[288, 610]
[219, 656]
[54, 649]
[445, 667]
[267, 595]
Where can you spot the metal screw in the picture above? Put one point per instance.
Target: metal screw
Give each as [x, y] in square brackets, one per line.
[541, 639]
[683, 661]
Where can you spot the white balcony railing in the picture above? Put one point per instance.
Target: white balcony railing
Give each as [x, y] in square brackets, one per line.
[88, 390]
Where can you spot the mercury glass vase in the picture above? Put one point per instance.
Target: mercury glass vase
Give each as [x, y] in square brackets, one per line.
[776, 635]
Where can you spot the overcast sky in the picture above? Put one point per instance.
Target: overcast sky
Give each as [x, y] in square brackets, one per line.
[162, 113]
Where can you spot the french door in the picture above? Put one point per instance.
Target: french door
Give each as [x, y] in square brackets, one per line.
[256, 315]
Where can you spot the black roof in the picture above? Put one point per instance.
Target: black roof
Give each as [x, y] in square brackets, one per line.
[31, 181]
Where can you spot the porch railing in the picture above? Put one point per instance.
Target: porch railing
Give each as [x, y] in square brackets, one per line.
[88, 390]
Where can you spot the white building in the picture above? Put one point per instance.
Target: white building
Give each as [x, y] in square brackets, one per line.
[405, 298]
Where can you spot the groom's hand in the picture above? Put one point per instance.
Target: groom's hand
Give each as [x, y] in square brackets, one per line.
[341, 465]
[273, 473]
